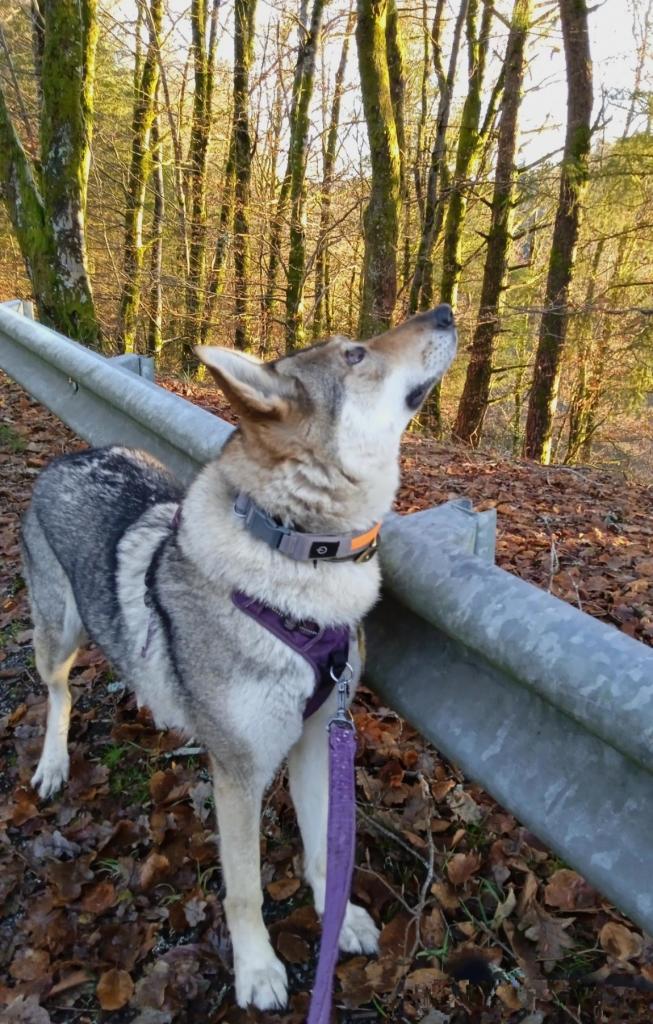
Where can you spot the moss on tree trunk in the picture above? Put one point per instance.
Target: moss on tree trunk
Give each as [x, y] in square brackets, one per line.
[476, 392]
[203, 71]
[297, 158]
[244, 18]
[381, 218]
[139, 171]
[153, 334]
[47, 207]
[216, 275]
[468, 151]
[573, 182]
[322, 318]
[421, 288]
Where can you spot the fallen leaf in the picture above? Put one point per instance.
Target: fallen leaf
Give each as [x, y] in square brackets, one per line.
[30, 964]
[433, 929]
[504, 910]
[114, 989]
[620, 942]
[424, 977]
[464, 806]
[550, 935]
[72, 980]
[99, 898]
[445, 895]
[194, 910]
[509, 996]
[566, 890]
[293, 948]
[283, 888]
[356, 986]
[26, 1011]
[155, 868]
[398, 935]
[462, 866]
[24, 807]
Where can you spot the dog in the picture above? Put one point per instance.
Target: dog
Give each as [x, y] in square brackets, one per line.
[116, 551]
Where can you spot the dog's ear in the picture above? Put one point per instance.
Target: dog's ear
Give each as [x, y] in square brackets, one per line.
[253, 389]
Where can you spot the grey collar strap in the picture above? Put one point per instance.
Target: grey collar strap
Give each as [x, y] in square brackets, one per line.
[305, 547]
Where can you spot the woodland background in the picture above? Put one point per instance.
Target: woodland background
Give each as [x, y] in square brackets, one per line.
[268, 174]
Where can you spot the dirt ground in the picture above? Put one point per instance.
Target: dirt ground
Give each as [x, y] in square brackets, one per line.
[111, 893]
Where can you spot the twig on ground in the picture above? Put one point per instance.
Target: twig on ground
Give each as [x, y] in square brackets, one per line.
[428, 879]
[390, 834]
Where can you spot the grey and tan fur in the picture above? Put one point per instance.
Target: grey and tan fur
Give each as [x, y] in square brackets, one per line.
[317, 447]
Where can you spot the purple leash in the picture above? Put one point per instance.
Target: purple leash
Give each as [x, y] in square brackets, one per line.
[341, 841]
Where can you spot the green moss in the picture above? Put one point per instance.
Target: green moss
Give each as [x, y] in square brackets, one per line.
[381, 218]
[11, 440]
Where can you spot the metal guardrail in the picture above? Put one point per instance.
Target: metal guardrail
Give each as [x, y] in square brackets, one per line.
[548, 709]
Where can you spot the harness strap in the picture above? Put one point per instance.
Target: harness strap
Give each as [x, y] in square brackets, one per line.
[325, 649]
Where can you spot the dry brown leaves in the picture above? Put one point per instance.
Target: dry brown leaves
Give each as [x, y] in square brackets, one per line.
[111, 893]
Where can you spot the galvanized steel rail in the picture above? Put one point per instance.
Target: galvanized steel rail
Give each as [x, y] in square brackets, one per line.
[548, 709]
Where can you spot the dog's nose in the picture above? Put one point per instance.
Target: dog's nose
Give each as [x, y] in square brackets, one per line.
[443, 315]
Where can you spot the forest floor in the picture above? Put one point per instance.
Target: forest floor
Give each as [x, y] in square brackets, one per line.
[110, 903]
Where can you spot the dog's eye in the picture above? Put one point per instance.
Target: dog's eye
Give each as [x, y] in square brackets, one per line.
[355, 355]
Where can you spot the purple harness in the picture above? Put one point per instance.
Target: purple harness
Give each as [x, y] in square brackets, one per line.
[326, 651]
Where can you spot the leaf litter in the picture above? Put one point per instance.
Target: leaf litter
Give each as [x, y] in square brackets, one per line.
[111, 893]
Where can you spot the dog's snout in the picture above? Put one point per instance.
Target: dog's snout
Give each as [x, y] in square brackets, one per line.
[443, 315]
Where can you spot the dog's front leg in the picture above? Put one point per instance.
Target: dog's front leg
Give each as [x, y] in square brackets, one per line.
[308, 771]
[260, 976]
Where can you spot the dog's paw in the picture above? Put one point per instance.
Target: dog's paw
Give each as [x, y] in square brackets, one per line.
[262, 983]
[358, 934]
[50, 775]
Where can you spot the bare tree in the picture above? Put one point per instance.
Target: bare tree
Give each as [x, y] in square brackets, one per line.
[322, 320]
[476, 392]
[146, 79]
[297, 158]
[46, 198]
[421, 289]
[382, 213]
[573, 181]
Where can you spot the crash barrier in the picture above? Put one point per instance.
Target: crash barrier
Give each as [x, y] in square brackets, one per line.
[548, 709]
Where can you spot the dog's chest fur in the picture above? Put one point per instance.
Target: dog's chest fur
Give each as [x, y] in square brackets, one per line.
[191, 656]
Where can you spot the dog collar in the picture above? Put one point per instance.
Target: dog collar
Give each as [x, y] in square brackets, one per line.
[305, 547]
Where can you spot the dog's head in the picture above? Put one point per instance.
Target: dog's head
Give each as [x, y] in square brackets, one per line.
[340, 401]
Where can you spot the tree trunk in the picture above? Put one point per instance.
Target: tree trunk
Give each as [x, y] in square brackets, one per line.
[381, 218]
[244, 18]
[178, 159]
[322, 319]
[573, 182]
[476, 392]
[276, 229]
[580, 401]
[421, 289]
[468, 151]
[216, 276]
[297, 158]
[153, 337]
[397, 74]
[46, 202]
[203, 70]
[139, 172]
[418, 166]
